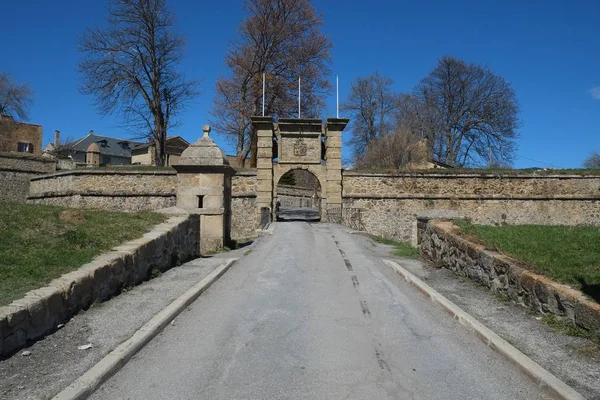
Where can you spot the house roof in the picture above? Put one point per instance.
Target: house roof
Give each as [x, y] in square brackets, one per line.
[169, 139]
[108, 145]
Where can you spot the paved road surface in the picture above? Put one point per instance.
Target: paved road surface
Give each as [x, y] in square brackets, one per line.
[311, 313]
[299, 214]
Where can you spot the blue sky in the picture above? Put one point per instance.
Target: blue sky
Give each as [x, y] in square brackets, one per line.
[548, 50]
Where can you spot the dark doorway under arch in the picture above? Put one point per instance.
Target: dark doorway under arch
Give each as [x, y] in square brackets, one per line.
[299, 196]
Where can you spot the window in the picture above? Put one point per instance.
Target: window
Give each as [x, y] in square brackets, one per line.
[105, 160]
[25, 147]
[200, 201]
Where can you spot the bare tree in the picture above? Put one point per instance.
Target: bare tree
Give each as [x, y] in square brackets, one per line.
[593, 160]
[468, 113]
[394, 150]
[281, 39]
[371, 105]
[15, 101]
[130, 66]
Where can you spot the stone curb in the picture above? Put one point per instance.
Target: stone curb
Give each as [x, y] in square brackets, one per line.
[541, 376]
[85, 385]
[39, 312]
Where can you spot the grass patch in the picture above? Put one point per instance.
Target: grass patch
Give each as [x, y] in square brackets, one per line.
[401, 249]
[37, 245]
[568, 254]
[567, 328]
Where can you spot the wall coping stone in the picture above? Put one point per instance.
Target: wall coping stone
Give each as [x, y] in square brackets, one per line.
[467, 175]
[245, 173]
[102, 172]
[529, 289]
[418, 196]
[41, 310]
[94, 193]
[26, 156]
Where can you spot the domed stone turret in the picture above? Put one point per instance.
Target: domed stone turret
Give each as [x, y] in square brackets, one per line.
[204, 188]
[93, 148]
[92, 157]
[203, 152]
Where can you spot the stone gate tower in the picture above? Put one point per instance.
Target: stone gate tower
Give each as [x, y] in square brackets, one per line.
[299, 144]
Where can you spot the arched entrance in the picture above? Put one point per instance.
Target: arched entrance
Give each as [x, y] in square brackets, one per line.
[299, 196]
[304, 144]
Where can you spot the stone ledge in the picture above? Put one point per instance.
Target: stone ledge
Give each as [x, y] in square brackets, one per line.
[93, 193]
[104, 172]
[40, 311]
[440, 242]
[466, 175]
[408, 196]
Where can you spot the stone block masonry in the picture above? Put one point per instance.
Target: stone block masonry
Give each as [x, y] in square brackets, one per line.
[243, 205]
[441, 242]
[15, 172]
[109, 189]
[41, 310]
[390, 204]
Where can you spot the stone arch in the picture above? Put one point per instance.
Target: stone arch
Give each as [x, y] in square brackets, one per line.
[303, 144]
[319, 171]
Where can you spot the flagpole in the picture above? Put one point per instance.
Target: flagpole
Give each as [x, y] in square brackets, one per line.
[298, 97]
[337, 96]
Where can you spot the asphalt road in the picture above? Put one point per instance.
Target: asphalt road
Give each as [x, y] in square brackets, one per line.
[312, 313]
[299, 214]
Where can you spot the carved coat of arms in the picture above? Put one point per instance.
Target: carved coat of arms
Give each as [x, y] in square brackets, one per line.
[300, 148]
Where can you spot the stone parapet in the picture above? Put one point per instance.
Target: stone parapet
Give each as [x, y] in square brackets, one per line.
[18, 162]
[40, 311]
[460, 185]
[441, 242]
[105, 189]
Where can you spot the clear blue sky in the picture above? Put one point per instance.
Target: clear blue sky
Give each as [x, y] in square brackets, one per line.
[548, 50]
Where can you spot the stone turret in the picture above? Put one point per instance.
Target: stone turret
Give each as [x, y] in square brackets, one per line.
[204, 188]
[92, 156]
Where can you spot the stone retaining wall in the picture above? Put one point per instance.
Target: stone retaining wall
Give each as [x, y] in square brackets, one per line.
[40, 311]
[15, 172]
[391, 203]
[110, 189]
[441, 242]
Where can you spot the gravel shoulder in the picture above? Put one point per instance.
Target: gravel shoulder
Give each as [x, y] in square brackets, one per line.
[574, 360]
[51, 364]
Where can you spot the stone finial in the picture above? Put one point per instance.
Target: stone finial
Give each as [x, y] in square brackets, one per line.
[203, 152]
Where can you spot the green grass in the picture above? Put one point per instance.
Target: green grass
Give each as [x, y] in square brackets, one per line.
[36, 246]
[568, 254]
[401, 249]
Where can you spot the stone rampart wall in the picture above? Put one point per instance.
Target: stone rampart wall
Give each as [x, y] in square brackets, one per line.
[441, 242]
[391, 204]
[15, 172]
[468, 185]
[111, 190]
[41, 310]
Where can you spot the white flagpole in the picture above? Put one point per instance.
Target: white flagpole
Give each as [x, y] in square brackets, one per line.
[337, 96]
[298, 97]
[263, 102]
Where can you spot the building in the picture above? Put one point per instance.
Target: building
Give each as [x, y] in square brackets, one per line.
[20, 136]
[144, 154]
[113, 151]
